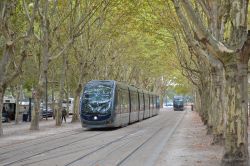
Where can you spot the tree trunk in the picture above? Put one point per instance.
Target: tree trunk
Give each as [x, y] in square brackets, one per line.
[17, 104]
[34, 125]
[75, 116]
[236, 141]
[161, 101]
[62, 82]
[53, 100]
[58, 115]
[197, 101]
[209, 106]
[45, 64]
[1, 109]
[218, 105]
[204, 104]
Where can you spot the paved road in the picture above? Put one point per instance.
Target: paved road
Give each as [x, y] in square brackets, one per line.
[137, 144]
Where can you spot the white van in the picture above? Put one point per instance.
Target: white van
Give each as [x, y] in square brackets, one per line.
[9, 108]
[70, 104]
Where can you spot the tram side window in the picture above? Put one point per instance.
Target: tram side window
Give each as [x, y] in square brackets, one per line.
[150, 107]
[137, 102]
[134, 101]
[119, 101]
[152, 102]
[157, 102]
[146, 102]
[125, 101]
[155, 99]
[141, 101]
[149, 102]
[148, 97]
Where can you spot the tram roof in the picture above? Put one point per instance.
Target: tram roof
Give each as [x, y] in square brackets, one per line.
[122, 85]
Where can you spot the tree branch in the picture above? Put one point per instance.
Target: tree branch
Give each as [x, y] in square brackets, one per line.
[210, 41]
[17, 71]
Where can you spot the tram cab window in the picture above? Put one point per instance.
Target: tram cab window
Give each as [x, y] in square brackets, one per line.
[97, 98]
[98, 93]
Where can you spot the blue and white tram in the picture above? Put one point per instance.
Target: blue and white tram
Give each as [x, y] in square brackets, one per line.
[108, 103]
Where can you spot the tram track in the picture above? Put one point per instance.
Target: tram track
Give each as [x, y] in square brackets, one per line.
[163, 124]
[61, 146]
[120, 139]
[50, 139]
[28, 140]
[89, 149]
[79, 150]
[123, 161]
[110, 153]
[51, 149]
[101, 147]
[58, 137]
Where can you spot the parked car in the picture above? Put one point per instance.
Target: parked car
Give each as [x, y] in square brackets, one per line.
[49, 112]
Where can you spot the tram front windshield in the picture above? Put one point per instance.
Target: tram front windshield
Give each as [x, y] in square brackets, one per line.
[97, 97]
[178, 101]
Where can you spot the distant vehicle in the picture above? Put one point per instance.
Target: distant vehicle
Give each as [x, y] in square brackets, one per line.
[70, 104]
[24, 102]
[49, 112]
[9, 108]
[169, 103]
[110, 103]
[178, 103]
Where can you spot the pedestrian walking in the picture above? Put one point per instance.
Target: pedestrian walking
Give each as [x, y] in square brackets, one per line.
[64, 113]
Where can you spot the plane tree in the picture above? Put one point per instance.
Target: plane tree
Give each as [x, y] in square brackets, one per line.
[218, 31]
[16, 33]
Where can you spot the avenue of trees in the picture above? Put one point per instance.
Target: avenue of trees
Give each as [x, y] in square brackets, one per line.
[150, 44]
[213, 46]
[65, 44]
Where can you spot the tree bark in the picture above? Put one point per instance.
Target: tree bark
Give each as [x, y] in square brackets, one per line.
[236, 140]
[34, 125]
[75, 116]
[45, 64]
[204, 105]
[53, 100]
[62, 82]
[1, 108]
[17, 104]
[197, 101]
[210, 106]
[218, 105]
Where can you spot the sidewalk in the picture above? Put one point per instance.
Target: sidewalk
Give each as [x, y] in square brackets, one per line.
[21, 132]
[190, 145]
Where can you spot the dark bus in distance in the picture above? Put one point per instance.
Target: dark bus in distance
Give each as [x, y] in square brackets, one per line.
[178, 103]
[108, 103]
